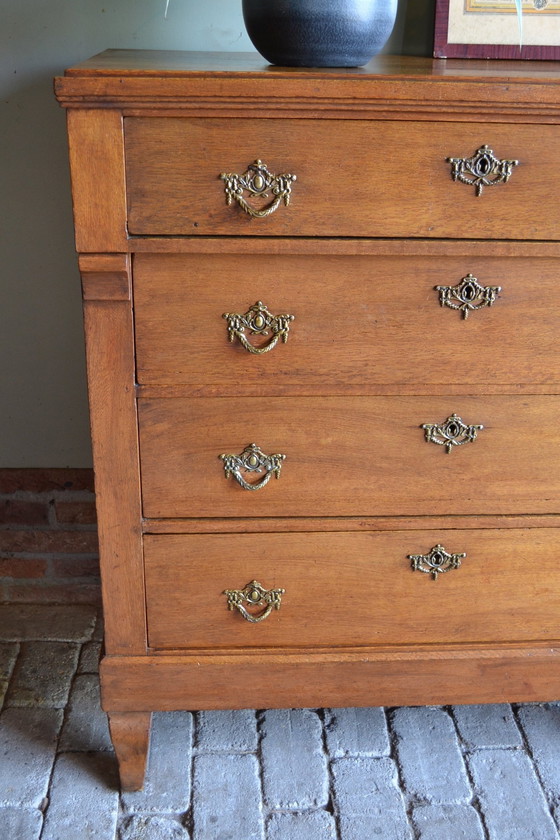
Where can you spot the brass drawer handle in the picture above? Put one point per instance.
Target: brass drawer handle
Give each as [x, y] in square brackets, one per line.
[467, 295]
[483, 169]
[259, 321]
[436, 562]
[252, 460]
[256, 595]
[258, 182]
[452, 432]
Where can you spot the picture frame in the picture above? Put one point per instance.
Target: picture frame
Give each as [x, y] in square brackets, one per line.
[490, 29]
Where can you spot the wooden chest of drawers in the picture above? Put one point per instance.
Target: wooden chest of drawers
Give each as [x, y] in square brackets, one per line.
[321, 322]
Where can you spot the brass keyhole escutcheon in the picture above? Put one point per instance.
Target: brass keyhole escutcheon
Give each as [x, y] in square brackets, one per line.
[468, 295]
[481, 170]
[451, 433]
[436, 562]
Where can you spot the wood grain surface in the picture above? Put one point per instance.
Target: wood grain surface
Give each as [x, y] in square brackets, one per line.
[374, 224]
[370, 677]
[110, 365]
[351, 456]
[363, 178]
[350, 589]
[98, 190]
[130, 733]
[359, 320]
[237, 84]
[300, 524]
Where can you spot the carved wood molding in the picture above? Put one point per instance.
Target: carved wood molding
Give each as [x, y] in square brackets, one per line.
[352, 98]
[105, 276]
[424, 109]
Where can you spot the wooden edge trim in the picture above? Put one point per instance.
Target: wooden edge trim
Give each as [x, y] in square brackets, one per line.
[526, 113]
[368, 91]
[382, 652]
[368, 678]
[105, 276]
[303, 246]
[346, 389]
[98, 263]
[97, 174]
[351, 524]
[109, 334]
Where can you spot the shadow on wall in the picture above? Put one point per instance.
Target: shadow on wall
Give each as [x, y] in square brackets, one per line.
[419, 28]
[41, 385]
[42, 378]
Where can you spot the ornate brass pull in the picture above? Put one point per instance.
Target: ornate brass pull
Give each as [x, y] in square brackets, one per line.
[256, 595]
[259, 321]
[467, 295]
[483, 169]
[252, 460]
[436, 562]
[257, 181]
[452, 432]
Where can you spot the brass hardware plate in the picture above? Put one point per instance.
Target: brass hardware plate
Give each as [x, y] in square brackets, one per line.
[252, 460]
[436, 562]
[467, 295]
[259, 183]
[481, 170]
[258, 321]
[256, 595]
[452, 432]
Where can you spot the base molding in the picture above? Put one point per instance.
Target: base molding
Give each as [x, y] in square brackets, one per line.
[364, 677]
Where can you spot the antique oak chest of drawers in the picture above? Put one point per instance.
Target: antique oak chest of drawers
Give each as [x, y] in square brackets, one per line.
[321, 316]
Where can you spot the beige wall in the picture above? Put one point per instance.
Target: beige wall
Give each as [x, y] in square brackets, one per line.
[43, 406]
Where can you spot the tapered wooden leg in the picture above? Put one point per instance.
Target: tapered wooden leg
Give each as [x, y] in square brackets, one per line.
[130, 734]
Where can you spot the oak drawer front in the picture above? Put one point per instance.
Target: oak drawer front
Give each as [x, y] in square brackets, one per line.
[354, 178]
[356, 320]
[352, 588]
[349, 456]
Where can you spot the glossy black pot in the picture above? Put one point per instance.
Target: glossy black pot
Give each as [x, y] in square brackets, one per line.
[319, 33]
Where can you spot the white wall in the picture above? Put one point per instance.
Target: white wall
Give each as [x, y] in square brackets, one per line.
[43, 406]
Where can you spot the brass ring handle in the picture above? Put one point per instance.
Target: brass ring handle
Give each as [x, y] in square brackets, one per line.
[259, 183]
[259, 321]
[452, 432]
[436, 562]
[256, 595]
[467, 295]
[252, 460]
[483, 169]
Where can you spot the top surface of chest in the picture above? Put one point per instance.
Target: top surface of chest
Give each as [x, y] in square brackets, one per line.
[170, 76]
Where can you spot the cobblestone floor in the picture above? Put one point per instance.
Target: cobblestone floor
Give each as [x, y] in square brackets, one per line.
[437, 773]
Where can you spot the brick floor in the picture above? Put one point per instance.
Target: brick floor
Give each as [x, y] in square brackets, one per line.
[463, 773]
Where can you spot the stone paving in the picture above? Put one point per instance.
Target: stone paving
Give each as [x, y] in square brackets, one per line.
[436, 773]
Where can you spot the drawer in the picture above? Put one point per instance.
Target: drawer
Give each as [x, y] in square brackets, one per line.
[358, 320]
[354, 178]
[350, 456]
[353, 588]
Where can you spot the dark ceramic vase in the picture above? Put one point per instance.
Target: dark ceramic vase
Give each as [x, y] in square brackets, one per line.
[319, 33]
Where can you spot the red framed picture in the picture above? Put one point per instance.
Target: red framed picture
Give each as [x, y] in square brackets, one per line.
[490, 29]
